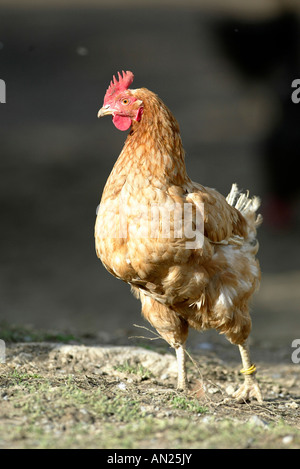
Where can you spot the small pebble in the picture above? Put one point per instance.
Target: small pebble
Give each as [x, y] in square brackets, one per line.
[122, 386]
[207, 419]
[213, 390]
[164, 376]
[257, 421]
[286, 440]
[230, 390]
[292, 405]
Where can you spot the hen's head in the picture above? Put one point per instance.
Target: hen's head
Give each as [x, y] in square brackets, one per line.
[121, 103]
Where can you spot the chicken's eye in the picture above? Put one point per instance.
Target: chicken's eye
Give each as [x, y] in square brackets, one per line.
[125, 101]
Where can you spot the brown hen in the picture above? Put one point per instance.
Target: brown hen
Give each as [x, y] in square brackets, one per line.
[187, 252]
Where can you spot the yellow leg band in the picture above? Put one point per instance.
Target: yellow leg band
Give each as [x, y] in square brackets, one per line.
[248, 371]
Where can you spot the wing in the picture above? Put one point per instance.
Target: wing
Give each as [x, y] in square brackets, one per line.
[221, 220]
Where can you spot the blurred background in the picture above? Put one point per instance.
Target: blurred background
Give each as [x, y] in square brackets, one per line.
[225, 69]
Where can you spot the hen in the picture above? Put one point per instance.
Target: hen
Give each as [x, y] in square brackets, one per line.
[187, 252]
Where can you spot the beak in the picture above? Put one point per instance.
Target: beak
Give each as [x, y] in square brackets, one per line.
[105, 111]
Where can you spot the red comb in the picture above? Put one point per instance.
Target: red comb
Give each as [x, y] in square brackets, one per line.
[116, 86]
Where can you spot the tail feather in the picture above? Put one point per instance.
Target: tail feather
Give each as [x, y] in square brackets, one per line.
[244, 204]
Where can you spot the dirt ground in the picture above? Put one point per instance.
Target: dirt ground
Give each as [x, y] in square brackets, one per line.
[56, 395]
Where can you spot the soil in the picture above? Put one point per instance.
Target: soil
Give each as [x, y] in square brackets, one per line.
[57, 395]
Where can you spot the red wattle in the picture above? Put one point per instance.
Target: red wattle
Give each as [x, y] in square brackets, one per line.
[122, 122]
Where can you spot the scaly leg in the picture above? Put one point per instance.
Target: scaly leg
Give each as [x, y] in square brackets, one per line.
[182, 383]
[250, 387]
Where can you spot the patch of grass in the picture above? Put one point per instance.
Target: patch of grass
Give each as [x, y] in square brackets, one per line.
[191, 405]
[122, 408]
[19, 377]
[32, 392]
[138, 369]
[15, 333]
[119, 407]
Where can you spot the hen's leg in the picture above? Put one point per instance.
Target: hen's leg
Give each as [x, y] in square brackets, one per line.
[250, 387]
[181, 379]
[172, 328]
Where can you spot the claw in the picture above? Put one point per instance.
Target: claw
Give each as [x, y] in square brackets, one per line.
[248, 390]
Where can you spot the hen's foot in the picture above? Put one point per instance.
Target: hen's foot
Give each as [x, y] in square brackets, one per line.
[248, 390]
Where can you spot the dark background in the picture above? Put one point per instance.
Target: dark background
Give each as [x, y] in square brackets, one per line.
[226, 75]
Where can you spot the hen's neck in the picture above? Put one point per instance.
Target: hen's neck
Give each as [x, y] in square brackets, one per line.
[153, 147]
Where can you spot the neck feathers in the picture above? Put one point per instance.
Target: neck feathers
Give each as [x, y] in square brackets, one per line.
[154, 144]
